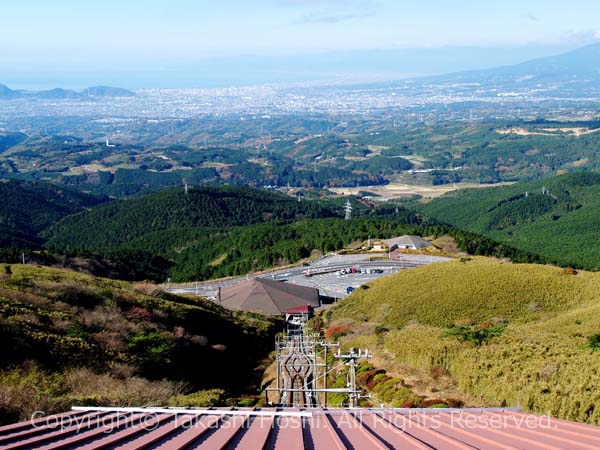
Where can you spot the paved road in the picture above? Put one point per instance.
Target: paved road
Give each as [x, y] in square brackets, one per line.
[322, 274]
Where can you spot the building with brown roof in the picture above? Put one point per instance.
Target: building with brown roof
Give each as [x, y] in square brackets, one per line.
[265, 296]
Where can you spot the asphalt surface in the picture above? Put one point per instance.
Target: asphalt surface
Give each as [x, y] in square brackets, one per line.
[323, 273]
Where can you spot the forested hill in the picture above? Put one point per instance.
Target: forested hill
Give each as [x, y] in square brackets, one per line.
[556, 218]
[123, 221]
[28, 207]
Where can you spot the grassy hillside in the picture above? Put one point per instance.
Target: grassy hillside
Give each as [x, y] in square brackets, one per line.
[561, 224]
[516, 335]
[28, 207]
[70, 338]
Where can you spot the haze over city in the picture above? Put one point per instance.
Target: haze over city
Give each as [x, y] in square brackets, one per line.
[185, 43]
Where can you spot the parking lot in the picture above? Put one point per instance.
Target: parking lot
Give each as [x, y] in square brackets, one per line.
[332, 275]
[327, 273]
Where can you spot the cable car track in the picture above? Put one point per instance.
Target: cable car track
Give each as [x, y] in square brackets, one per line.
[296, 368]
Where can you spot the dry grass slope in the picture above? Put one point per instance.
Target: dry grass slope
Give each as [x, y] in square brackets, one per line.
[540, 362]
[69, 338]
[476, 290]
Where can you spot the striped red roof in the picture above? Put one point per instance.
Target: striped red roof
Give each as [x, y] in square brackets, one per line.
[289, 429]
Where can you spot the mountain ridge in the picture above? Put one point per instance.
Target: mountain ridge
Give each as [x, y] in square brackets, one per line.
[555, 217]
[7, 93]
[580, 68]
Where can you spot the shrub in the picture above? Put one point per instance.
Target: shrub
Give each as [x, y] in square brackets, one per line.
[28, 389]
[316, 324]
[453, 403]
[74, 294]
[110, 341]
[594, 342]
[246, 402]
[433, 403]
[380, 329]
[138, 314]
[108, 390]
[208, 398]
[76, 329]
[334, 333]
[199, 340]
[219, 348]
[152, 351]
[476, 335]
[438, 372]
[370, 379]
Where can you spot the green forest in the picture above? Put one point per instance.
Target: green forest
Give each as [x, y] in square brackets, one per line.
[27, 208]
[225, 231]
[556, 218]
[210, 232]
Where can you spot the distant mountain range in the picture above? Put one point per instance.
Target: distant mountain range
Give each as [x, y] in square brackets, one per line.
[62, 94]
[572, 74]
[582, 64]
[573, 71]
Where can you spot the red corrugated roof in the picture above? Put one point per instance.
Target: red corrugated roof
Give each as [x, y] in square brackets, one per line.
[287, 429]
[304, 309]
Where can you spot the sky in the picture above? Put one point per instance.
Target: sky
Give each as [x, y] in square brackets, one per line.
[62, 38]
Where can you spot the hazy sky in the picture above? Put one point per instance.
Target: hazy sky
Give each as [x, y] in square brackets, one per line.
[130, 34]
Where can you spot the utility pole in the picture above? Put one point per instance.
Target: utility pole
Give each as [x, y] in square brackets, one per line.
[350, 358]
[325, 377]
[23, 256]
[299, 367]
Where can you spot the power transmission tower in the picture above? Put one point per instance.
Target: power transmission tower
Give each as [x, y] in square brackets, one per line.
[348, 208]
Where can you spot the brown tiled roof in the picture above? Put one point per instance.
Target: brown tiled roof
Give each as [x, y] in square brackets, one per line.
[266, 296]
[287, 429]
